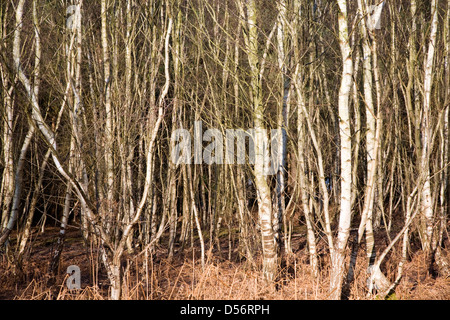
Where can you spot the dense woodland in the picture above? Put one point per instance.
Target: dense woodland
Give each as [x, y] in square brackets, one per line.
[92, 92]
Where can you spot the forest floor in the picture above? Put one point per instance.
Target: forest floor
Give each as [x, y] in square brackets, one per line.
[155, 277]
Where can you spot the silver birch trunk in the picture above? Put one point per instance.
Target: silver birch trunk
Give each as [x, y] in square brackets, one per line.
[441, 260]
[109, 133]
[426, 197]
[7, 186]
[338, 256]
[282, 122]
[263, 190]
[172, 170]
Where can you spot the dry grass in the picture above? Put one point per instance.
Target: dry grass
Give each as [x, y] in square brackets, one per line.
[183, 278]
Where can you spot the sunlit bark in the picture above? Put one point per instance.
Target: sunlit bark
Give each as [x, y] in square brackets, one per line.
[338, 256]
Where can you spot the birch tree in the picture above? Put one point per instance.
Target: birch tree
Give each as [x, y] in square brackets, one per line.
[338, 253]
[426, 134]
[264, 195]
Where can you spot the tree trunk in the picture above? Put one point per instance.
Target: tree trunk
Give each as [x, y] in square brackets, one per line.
[264, 196]
[338, 256]
[424, 164]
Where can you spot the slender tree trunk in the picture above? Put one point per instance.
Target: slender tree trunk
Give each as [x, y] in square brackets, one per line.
[172, 170]
[338, 256]
[441, 261]
[7, 186]
[109, 133]
[264, 197]
[357, 124]
[282, 122]
[426, 197]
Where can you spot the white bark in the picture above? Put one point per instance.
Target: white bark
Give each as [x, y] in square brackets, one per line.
[441, 261]
[109, 133]
[337, 259]
[263, 191]
[282, 121]
[7, 186]
[426, 197]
